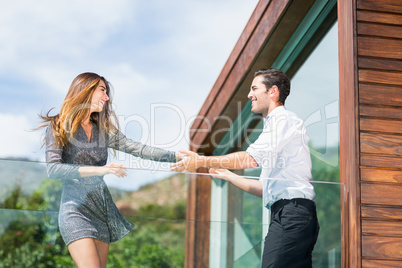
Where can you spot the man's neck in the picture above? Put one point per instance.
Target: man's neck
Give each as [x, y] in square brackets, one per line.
[271, 108]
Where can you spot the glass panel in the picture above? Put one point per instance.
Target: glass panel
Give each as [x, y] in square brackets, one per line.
[29, 235]
[327, 251]
[314, 97]
[245, 242]
[252, 222]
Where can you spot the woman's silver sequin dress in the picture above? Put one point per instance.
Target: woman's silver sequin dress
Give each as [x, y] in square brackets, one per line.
[87, 208]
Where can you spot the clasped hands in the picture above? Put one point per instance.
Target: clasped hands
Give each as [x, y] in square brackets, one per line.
[188, 162]
[191, 161]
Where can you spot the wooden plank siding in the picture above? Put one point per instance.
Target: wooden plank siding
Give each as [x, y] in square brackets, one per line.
[379, 64]
[384, 213]
[382, 264]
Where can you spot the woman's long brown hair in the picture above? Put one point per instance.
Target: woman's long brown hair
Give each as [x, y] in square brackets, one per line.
[76, 107]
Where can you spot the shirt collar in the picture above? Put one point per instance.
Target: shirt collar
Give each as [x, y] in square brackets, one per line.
[276, 111]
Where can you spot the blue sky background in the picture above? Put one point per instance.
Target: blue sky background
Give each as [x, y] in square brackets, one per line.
[162, 58]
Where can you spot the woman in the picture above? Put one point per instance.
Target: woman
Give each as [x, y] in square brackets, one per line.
[77, 140]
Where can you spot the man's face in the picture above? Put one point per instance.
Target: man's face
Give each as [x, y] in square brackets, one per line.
[259, 96]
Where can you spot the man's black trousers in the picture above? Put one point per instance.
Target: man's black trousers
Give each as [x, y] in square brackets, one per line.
[292, 234]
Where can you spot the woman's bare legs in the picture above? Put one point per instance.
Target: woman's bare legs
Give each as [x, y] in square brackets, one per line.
[89, 252]
[103, 251]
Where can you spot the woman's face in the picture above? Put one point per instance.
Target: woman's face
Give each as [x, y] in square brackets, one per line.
[99, 97]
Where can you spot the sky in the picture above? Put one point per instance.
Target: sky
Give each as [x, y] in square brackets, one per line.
[161, 57]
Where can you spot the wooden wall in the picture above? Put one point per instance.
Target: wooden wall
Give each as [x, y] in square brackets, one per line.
[379, 63]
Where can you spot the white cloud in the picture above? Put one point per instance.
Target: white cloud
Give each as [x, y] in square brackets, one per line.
[46, 32]
[48, 23]
[17, 138]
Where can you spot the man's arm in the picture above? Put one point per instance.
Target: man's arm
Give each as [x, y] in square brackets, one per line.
[237, 160]
[251, 186]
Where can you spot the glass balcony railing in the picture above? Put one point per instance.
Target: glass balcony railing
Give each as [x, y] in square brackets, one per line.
[242, 236]
[29, 235]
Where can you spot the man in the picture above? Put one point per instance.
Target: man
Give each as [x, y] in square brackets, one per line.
[283, 154]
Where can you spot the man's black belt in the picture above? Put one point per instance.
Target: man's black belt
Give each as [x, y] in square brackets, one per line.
[298, 201]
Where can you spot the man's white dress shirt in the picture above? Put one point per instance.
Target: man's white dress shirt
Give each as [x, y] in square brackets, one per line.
[283, 154]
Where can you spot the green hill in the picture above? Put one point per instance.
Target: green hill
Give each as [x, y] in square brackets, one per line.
[21, 172]
[166, 192]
